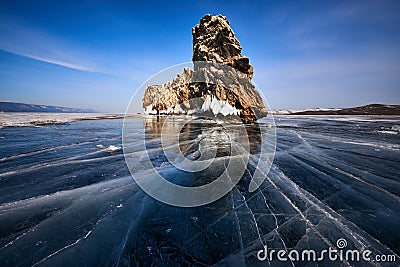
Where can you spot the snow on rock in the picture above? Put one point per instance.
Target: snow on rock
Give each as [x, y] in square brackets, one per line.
[218, 106]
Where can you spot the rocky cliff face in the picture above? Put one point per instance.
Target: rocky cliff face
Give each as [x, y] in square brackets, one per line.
[220, 82]
[214, 41]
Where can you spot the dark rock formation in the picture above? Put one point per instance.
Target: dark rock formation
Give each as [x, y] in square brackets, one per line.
[214, 41]
[220, 82]
[169, 95]
[372, 109]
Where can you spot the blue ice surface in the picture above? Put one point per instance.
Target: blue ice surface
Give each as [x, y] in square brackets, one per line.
[66, 201]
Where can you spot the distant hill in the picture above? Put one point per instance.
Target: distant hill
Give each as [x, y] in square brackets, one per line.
[22, 107]
[372, 109]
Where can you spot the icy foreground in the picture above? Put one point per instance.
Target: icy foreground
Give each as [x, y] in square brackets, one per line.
[68, 202]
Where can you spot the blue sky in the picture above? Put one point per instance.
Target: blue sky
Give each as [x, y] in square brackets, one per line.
[95, 54]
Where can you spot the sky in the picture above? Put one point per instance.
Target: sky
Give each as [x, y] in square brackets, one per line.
[96, 54]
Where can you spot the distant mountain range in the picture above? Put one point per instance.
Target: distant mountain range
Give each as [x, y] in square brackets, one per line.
[372, 109]
[22, 107]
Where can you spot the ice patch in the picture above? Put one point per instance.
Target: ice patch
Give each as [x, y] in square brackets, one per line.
[388, 132]
[112, 148]
[396, 128]
[36, 119]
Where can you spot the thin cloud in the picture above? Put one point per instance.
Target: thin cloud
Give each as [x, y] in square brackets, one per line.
[18, 38]
[27, 42]
[51, 61]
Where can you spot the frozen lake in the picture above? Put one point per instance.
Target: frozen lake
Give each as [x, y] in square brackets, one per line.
[65, 200]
